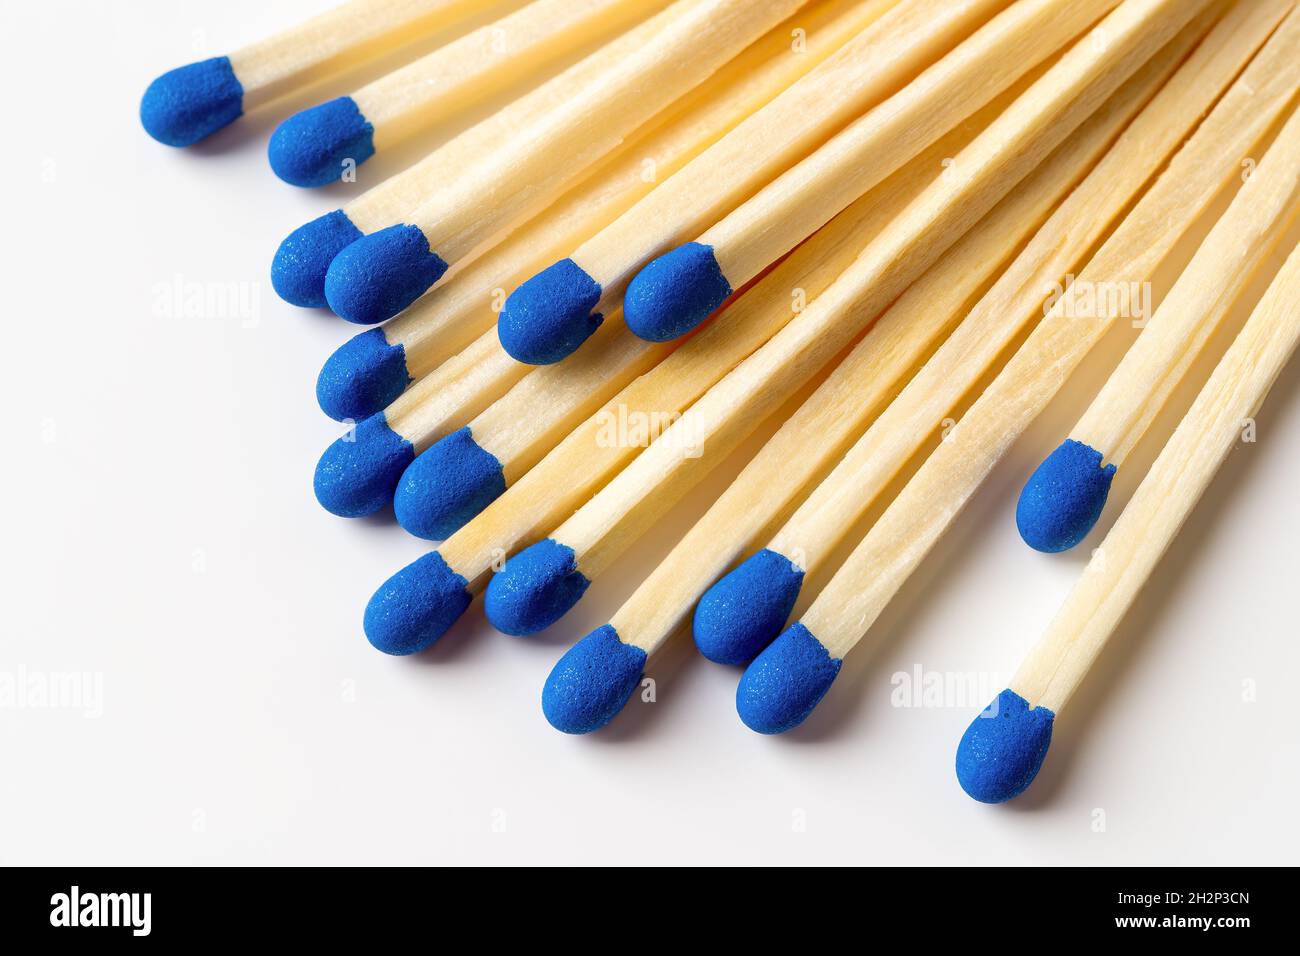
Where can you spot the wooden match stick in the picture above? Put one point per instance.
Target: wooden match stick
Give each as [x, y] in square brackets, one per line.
[588, 110]
[787, 680]
[681, 288]
[371, 370]
[825, 426]
[192, 102]
[458, 475]
[358, 474]
[745, 610]
[1003, 749]
[416, 606]
[315, 146]
[303, 258]
[1066, 494]
[555, 311]
[540, 584]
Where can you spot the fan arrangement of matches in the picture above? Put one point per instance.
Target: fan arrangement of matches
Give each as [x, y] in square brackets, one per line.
[865, 198]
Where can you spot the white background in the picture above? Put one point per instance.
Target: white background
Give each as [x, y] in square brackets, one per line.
[160, 534]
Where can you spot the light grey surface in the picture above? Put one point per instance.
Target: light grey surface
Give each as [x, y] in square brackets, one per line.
[161, 536]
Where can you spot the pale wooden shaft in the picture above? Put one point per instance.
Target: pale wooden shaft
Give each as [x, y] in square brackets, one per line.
[486, 60]
[398, 198]
[1221, 268]
[449, 397]
[989, 167]
[825, 425]
[1140, 536]
[923, 510]
[805, 196]
[591, 109]
[336, 40]
[876, 63]
[993, 324]
[550, 401]
[463, 305]
[580, 464]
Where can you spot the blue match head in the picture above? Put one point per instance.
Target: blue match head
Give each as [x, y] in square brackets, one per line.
[298, 270]
[592, 682]
[785, 682]
[1002, 749]
[1063, 498]
[449, 483]
[535, 589]
[362, 377]
[745, 610]
[416, 606]
[675, 293]
[313, 147]
[357, 474]
[379, 275]
[191, 102]
[550, 315]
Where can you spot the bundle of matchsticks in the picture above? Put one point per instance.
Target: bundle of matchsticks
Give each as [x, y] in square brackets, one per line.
[872, 195]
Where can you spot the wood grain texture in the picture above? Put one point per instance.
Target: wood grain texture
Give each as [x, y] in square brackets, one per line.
[805, 196]
[462, 307]
[581, 115]
[874, 64]
[1140, 536]
[1221, 268]
[337, 40]
[924, 509]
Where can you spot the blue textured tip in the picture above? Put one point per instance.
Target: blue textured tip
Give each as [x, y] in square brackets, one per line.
[592, 682]
[191, 102]
[1002, 749]
[535, 589]
[675, 293]
[379, 275]
[785, 682]
[313, 147]
[1063, 499]
[357, 474]
[550, 315]
[362, 377]
[298, 270]
[451, 482]
[416, 606]
[745, 610]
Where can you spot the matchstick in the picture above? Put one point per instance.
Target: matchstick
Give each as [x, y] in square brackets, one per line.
[1002, 751]
[790, 677]
[681, 288]
[584, 694]
[1066, 493]
[304, 256]
[463, 472]
[416, 606]
[192, 102]
[369, 371]
[745, 610]
[314, 147]
[555, 311]
[540, 584]
[455, 478]
[589, 110]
